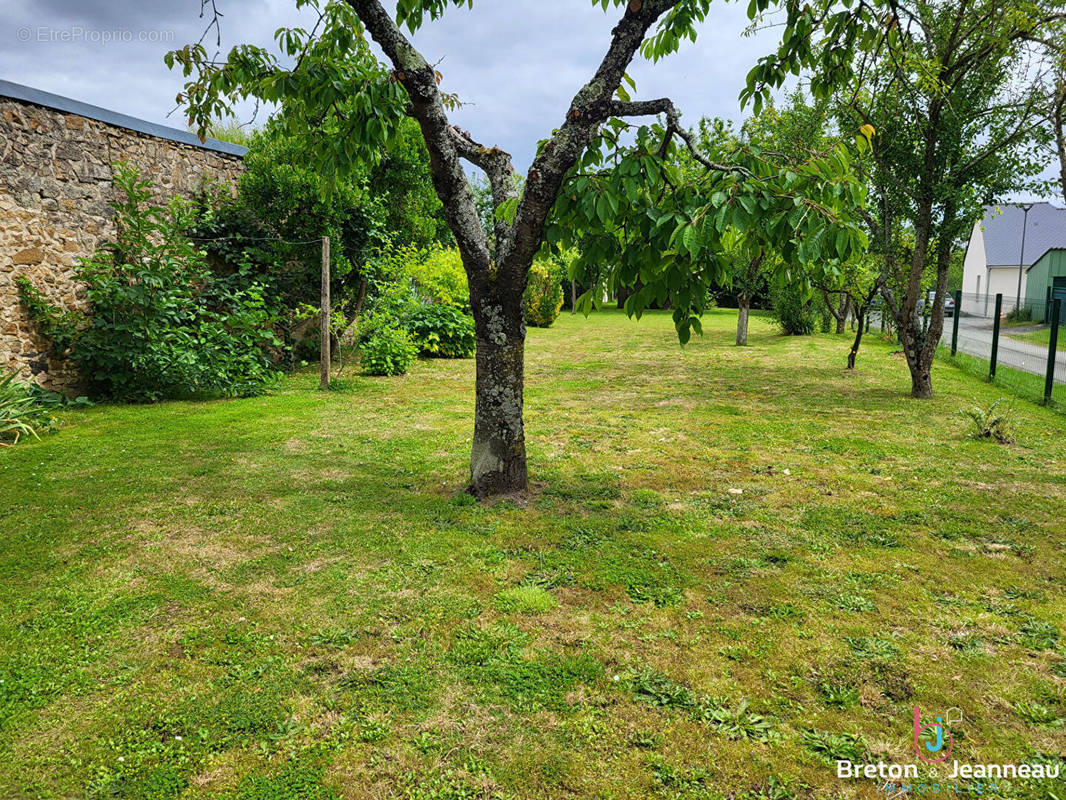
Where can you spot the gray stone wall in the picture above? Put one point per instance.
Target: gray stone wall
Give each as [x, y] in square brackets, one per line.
[55, 185]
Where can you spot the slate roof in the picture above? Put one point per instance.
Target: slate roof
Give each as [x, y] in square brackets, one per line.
[48, 100]
[1002, 226]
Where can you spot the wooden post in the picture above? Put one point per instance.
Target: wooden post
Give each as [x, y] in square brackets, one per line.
[324, 317]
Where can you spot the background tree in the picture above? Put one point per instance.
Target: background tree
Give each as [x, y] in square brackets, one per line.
[354, 106]
[949, 88]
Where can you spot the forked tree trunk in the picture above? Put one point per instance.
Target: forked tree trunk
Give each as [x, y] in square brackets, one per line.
[743, 307]
[498, 455]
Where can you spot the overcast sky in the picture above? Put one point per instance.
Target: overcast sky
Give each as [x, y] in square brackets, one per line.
[515, 71]
[515, 63]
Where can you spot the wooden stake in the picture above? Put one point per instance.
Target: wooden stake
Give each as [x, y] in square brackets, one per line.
[324, 318]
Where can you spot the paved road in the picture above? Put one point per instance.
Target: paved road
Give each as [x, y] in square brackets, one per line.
[975, 339]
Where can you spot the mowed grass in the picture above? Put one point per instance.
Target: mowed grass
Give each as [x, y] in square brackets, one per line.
[1041, 336]
[736, 565]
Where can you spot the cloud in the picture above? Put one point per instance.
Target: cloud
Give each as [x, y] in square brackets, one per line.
[515, 63]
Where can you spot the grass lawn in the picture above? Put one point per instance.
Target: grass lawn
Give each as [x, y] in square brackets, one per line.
[1014, 382]
[737, 565]
[1042, 336]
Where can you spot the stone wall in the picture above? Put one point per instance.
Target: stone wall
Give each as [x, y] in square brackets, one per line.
[55, 185]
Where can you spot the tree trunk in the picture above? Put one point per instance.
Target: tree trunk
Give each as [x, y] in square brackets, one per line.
[842, 313]
[498, 456]
[743, 307]
[573, 297]
[911, 329]
[922, 383]
[1058, 109]
[858, 340]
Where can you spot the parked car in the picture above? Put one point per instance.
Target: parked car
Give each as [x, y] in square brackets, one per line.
[949, 303]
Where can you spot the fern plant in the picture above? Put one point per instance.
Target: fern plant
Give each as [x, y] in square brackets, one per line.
[990, 423]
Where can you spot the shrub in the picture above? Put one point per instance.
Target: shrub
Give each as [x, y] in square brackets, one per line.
[1020, 314]
[792, 310]
[987, 424]
[442, 331]
[159, 326]
[384, 347]
[440, 278]
[543, 298]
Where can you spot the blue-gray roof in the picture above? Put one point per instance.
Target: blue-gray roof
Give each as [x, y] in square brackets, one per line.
[1045, 229]
[48, 100]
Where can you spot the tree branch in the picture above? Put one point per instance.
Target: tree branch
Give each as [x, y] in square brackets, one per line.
[588, 110]
[664, 105]
[420, 80]
[497, 165]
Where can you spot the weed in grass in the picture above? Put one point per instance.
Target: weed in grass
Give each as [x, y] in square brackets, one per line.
[677, 779]
[526, 600]
[549, 579]
[871, 647]
[498, 659]
[992, 423]
[252, 712]
[840, 695]
[646, 498]
[337, 638]
[853, 602]
[966, 641]
[127, 783]
[374, 731]
[1038, 635]
[1014, 592]
[740, 723]
[406, 687]
[848, 525]
[660, 596]
[646, 740]
[833, 747]
[450, 786]
[1036, 713]
[780, 611]
[659, 689]
[294, 782]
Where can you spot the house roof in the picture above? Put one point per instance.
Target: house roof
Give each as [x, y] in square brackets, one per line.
[1045, 229]
[27, 94]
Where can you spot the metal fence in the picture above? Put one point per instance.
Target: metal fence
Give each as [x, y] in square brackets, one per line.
[1024, 346]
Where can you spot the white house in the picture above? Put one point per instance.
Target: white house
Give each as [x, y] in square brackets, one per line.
[994, 257]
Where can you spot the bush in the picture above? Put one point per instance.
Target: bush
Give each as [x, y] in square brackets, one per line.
[441, 278]
[1019, 315]
[442, 331]
[792, 310]
[385, 348]
[159, 326]
[543, 298]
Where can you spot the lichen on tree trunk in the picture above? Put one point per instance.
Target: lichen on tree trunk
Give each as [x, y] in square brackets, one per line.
[498, 455]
